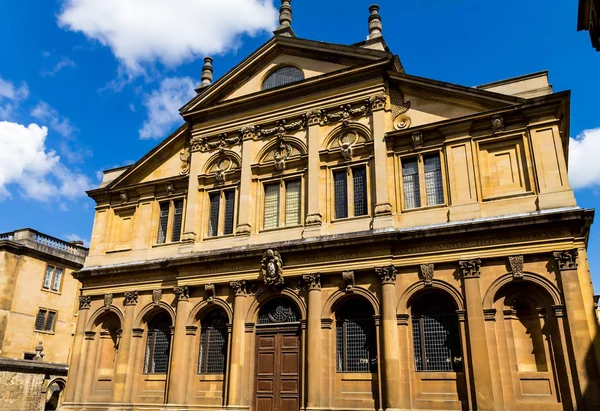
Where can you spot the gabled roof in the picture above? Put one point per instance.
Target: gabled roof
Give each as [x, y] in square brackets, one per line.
[354, 55]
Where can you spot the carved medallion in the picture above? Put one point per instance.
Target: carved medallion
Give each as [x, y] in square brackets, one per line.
[417, 139]
[156, 296]
[210, 291]
[271, 268]
[497, 123]
[427, 274]
[348, 277]
[516, 266]
[108, 300]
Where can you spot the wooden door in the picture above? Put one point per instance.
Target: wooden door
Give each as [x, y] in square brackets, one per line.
[277, 371]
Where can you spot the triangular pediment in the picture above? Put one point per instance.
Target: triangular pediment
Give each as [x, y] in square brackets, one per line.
[313, 58]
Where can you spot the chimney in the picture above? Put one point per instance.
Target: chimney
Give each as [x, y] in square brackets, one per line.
[285, 20]
[207, 72]
[374, 22]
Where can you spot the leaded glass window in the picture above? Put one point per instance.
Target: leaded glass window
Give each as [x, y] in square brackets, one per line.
[48, 277]
[213, 220]
[44, 321]
[283, 76]
[410, 182]
[340, 193]
[436, 340]
[229, 210]
[280, 310]
[158, 344]
[162, 222]
[221, 218]
[271, 206]
[293, 190]
[356, 349]
[433, 180]
[359, 181]
[177, 219]
[213, 343]
[52, 278]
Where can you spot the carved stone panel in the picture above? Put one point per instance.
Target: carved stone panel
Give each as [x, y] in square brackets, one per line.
[387, 274]
[182, 293]
[470, 268]
[348, 277]
[85, 301]
[156, 296]
[131, 298]
[108, 300]
[566, 260]
[516, 266]
[427, 274]
[271, 268]
[210, 291]
[312, 281]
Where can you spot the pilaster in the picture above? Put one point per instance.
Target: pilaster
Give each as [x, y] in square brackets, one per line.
[244, 227]
[383, 207]
[179, 359]
[236, 366]
[313, 281]
[124, 352]
[314, 219]
[73, 389]
[478, 344]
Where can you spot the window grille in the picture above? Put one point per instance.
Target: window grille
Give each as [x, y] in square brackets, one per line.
[436, 339]
[48, 277]
[58, 272]
[177, 220]
[282, 77]
[40, 320]
[213, 343]
[356, 349]
[158, 345]
[213, 220]
[433, 180]
[292, 202]
[271, 205]
[229, 206]
[359, 177]
[44, 321]
[340, 193]
[278, 311]
[162, 223]
[50, 321]
[410, 179]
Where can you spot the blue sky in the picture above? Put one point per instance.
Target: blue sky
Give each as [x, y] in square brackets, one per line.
[106, 78]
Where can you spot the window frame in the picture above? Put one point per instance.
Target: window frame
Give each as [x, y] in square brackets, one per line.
[372, 349]
[282, 181]
[206, 347]
[150, 353]
[53, 279]
[274, 70]
[54, 320]
[170, 219]
[221, 217]
[350, 190]
[422, 182]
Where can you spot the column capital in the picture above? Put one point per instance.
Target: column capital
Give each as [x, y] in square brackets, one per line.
[131, 298]
[191, 329]
[137, 332]
[313, 117]
[312, 281]
[489, 314]
[348, 277]
[387, 274]
[85, 302]
[567, 259]
[239, 288]
[182, 293]
[427, 274]
[559, 311]
[470, 268]
[377, 102]
[402, 319]
[210, 291]
[89, 335]
[327, 323]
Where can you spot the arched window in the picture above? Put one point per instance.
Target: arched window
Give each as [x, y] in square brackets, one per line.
[213, 343]
[436, 338]
[158, 344]
[355, 337]
[280, 310]
[282, 76]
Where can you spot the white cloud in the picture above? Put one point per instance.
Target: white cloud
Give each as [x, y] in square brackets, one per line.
[62, 64]
[45, 113]
[169, 31]
[10, 95]
[26, 162]
[584, 167]
[75, 237]
[163, 106]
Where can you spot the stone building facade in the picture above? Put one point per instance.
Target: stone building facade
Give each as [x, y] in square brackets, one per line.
[329, 232]
[38, 313]
[588, 19]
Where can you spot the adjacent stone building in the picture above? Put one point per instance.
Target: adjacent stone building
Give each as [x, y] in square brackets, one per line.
[588, 18]
[38, 312]
[329, 232]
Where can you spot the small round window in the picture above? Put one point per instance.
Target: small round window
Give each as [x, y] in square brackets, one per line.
[282, 76]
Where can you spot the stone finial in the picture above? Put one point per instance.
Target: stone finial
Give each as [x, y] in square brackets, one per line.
[375, 26]
[207, 72]
[285, 14]
[39, 356]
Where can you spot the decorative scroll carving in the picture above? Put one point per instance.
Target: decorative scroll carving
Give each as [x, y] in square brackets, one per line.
[497, 123]
[210, 290]
[348, 277]
[156, 296]
[185, 157]
[131, 298]
[85, 302]
[313, 281]
[516, 266]
[108, 300]
[427, 274]
[470, 268]
[417, 139]
[239, 287]
[313, 117]
[399, 107]
[271, 268]
[281, 127]
[211, 143]
[566, 260]
[314, 219]
[377, 102]
[387, 274]
[248, 131]
[182, 292]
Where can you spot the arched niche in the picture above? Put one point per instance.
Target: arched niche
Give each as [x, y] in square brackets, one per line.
[350, 134]
[337, 298]
[205, 306]
[92, 321]
[437, 285]
[265, 297]
[220, 164]
[528, 277]
[150, 310]
[284, 148]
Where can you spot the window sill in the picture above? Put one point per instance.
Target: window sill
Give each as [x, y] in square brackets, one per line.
[360, 217]
[50, 291]
[219, 237]
[44, 332]
[287, 227]
[155, 377]
[425, 208]
[118, 250]
[158, 245]
[358, 376]
[210, 377]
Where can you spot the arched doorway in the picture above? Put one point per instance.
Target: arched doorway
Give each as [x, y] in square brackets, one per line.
[277, 375]
[54, 395]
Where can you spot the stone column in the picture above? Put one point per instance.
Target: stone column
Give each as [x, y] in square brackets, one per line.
[383, 208]
[135, 366]
[87, 377]
[243, 222]
[236, 367]
[314, 219]
[73, 389]
[480, 360]
[191, 165]
[567, 263]
[124, 353]
[313, 352]
[176, 393]
[391, 346]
